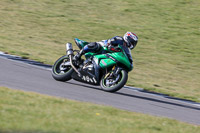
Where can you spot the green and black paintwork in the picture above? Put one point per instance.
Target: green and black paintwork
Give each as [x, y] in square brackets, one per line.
[110, 58]
[102, 62]
[106, 68]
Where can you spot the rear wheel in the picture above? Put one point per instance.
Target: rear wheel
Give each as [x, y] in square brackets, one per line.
[114, 83]
[62, 69]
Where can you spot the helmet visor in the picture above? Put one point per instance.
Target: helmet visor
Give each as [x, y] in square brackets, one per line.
[132, 42]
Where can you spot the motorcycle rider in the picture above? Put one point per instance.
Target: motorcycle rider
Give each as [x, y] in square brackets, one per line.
[129, 40]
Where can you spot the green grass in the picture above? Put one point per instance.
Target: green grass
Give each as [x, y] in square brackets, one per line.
[167, 56]
[26, 112]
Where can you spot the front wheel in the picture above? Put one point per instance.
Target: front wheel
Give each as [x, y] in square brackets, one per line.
[62, 69]
[114, 83]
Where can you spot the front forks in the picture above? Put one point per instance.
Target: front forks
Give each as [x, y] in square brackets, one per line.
[114, 73]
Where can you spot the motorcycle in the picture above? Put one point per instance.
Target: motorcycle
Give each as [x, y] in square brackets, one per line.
[107, 68]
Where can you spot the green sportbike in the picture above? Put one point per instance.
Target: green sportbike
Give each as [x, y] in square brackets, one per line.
[107, 68]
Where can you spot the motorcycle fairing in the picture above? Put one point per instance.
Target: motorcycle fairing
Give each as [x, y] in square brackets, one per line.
[101, 60]
[110, 59]
[87, 76]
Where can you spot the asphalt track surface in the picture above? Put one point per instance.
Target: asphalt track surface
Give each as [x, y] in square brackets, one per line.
[17, 73]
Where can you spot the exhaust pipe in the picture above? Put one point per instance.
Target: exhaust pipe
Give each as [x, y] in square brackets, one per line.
[69, 49]
[70, 53]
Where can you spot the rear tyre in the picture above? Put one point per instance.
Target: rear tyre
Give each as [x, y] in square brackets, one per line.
[114, 84]
[62, 69]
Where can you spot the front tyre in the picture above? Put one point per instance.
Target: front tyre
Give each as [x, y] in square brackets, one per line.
[114, 83]
[62, 69]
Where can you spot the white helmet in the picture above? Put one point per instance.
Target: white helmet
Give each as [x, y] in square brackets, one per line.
[131, 39]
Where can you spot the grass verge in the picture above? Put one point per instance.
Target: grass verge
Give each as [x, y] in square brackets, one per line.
[25, 112]
[166, 58]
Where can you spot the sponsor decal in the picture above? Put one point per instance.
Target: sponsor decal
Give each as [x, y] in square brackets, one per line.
[94, 80]
[88, 79]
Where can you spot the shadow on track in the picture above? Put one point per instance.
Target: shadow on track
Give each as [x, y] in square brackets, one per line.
[85, 85]
[139, 97]
[156, 100]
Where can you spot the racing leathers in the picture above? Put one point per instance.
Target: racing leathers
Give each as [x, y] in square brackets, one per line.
[111, 44]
